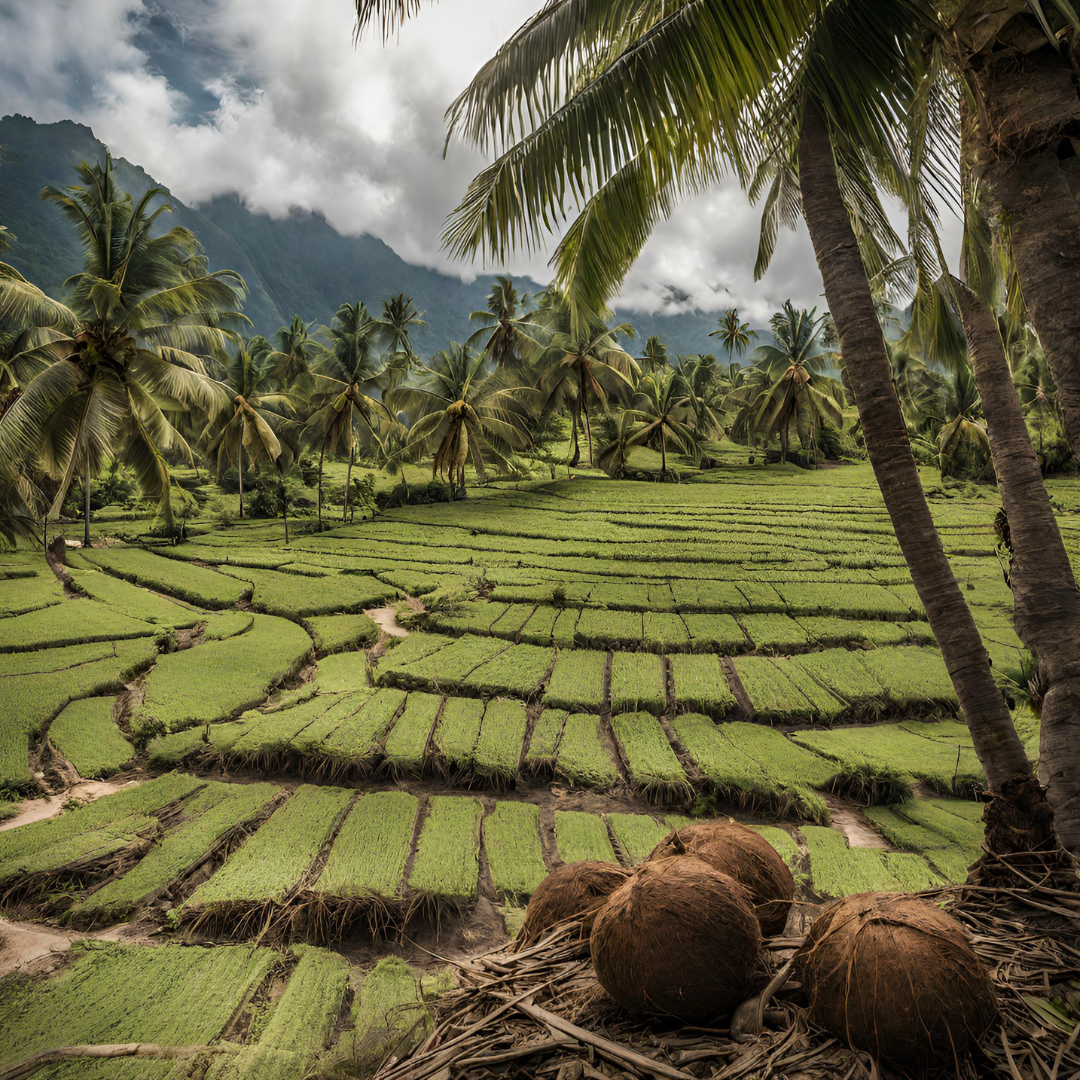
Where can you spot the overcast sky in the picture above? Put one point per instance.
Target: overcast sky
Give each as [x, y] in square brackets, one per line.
[270, 99]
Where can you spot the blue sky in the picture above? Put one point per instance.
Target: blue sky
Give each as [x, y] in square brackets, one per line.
[270, 99]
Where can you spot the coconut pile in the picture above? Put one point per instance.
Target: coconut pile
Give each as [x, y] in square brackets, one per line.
[678, 969]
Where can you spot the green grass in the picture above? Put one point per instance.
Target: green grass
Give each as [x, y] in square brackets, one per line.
[912, 677]
[700, 685]
[19, 595]
[636, 835]
[305, 1015]
[581, 836]
[278, 855]
[602, 628]
[775, 633]
[359, 739]
[416, 646]
[514, 853]
[714, 633]
[195, 584]
[132, 601]
[637, 682]
[456, 733]
[517, 672]
[75, 622]
[217, 810]
[389, 1015]
[112, 993]
[582, 758]
[838, 870]
[824, 705]
[654, 769]
[544, 743]
[406, 745]
[782, 843]
[502, 734]
[447, 862]
[337, 633]
[221, 678]
[846, 675]
[771, 693]
[227, 624]
[370, 851]
[443, 669]
[292, 595]
[577, 681]
[941, 830]
[86, 734]
[342, 671]
[665, 632]
[273, 732]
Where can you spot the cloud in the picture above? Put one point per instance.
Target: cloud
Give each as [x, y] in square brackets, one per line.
[270, 99]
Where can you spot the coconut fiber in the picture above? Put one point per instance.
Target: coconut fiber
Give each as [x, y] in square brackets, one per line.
[678, 938]
[895, 976]
[746, 856]
[574, 891]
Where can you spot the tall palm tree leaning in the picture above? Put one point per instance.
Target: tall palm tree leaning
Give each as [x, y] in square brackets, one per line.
[144, 318]
[734, 334]
[691, 77]
[508, 332]
[399, 318]
[459, 411]
[249, 423]
[654, 355]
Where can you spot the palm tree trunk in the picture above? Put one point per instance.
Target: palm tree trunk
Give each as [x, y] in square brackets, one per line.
[240, 475]
[575, 446]
[663, 453]
[86, 498]
[867, 362]
[1046, 601]
[348, 481]
[322, 457]
[285, 510]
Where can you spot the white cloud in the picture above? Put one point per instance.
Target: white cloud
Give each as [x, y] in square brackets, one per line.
[306, 120]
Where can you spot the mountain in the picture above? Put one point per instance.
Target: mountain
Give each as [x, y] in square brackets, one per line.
[296, 265]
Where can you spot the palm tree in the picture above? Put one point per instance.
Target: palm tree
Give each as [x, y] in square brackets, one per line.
[399, 318]
[458, 411]
[297, 351]
[734, 334]
[916, 385]
[795, 391]
[144, 317]
[250, 424]
[583, 368]
[345, 411]
[962, 437]
[702, 382]
[508, 333]
[661, 414]
[654, 355]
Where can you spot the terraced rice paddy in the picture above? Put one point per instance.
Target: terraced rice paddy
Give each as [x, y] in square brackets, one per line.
[587, 666]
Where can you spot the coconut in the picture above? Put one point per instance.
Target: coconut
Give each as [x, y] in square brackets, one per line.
[746, 856]
[896, 977]
[574, 891]
[678, 938]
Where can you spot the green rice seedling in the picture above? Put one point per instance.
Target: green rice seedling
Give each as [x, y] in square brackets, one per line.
[514, 853]
[581, 836]
[665, 631]
[34, 687]
[697, 595]
[260, 876]
[289, 595]
[502, 735]
[714, 633]
[20, 595]
[336, 633]
[75, 622]
[406, 745]
[564, 629]
[517, 671]
[779, 756]
[636, 835]
[343, 707]
[950, 858]
[857, 602]
[637, 682]
[829, 630]
[544, 743]
[782, 843]
[132, 601]
[582, 758]
[909, 597]
[700, 684]
[957, 820]
[271, 734]
[416, 646]
[602, 628]
[168, 751]
[389, 1016]
[511, 619]
[212, 817]
[363, 878]
[455, 735]
[171, 995]
[342, 672]
[447, 862]
[443, 669]
[913, 872]
[619, 595]
[305, 1015]
[881, 754]
[86, 734]
[539, 626]
[195, 584]
[775, 633]
[846, 675]
[838, 870]
[653, 767]
[771, 693]
[358, 740]
[577, 680]
[912, 677]
[227, 624]
[474, 616]
[760, 596]
[221, 678]
[824, 705]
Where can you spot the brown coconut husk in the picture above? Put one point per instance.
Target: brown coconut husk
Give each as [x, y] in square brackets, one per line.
[575, 891]
[896, 976]
[679, 938]
[746, 856]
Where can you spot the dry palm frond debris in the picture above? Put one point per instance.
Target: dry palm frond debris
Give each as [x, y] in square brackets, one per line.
[540, 1012]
